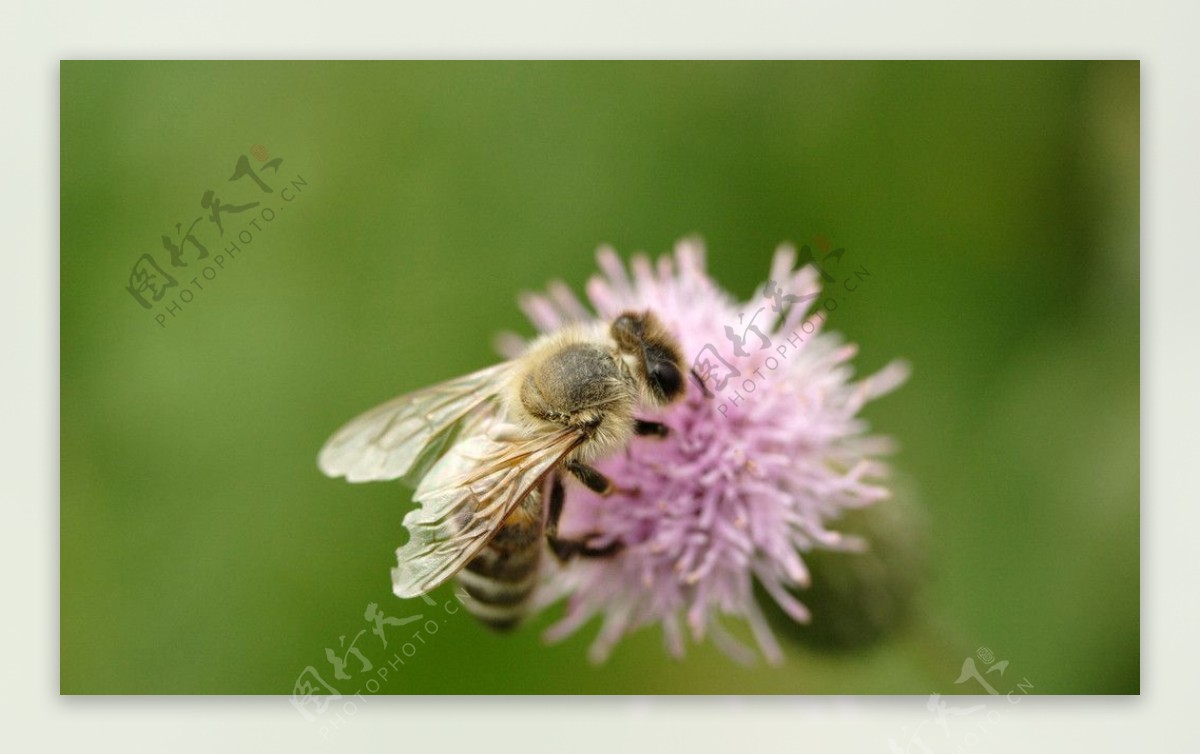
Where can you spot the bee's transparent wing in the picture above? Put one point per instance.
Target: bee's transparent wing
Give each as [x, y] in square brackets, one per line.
[465, 498]
[403, 437]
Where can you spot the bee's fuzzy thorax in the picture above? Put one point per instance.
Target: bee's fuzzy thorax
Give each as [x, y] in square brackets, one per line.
[596, 390]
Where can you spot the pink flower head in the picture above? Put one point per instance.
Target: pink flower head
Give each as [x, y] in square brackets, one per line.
[759, 460]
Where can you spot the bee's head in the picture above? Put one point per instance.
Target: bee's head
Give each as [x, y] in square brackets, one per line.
[658, 360]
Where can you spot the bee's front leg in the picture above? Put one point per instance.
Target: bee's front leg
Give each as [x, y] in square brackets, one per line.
[563, 549]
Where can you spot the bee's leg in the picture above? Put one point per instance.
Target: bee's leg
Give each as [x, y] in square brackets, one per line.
[703, 385]
[595, 480]
[565, 550]
[647, 427]
[554, 510]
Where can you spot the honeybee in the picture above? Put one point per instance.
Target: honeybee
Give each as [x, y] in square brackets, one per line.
[483, 449]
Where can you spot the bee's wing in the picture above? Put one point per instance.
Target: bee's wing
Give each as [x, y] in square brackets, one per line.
[465, 498]
[407, 434]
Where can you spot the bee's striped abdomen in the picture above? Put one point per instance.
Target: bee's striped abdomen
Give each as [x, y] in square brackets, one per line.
[500, 580]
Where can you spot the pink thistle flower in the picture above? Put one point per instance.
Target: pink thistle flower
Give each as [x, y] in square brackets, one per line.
[750, 476]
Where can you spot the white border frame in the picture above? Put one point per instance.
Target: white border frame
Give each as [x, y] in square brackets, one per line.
[36, 36]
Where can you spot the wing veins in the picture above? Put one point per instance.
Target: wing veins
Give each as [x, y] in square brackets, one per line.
[437, 556]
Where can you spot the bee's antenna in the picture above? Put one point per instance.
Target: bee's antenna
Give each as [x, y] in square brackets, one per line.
[703, 385]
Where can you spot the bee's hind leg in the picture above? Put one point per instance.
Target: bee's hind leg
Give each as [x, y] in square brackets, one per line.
[563, 549]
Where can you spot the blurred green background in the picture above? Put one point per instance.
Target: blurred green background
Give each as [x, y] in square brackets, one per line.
[995, 204]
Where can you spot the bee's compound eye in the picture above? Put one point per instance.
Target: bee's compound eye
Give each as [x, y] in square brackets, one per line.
[666, 379]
